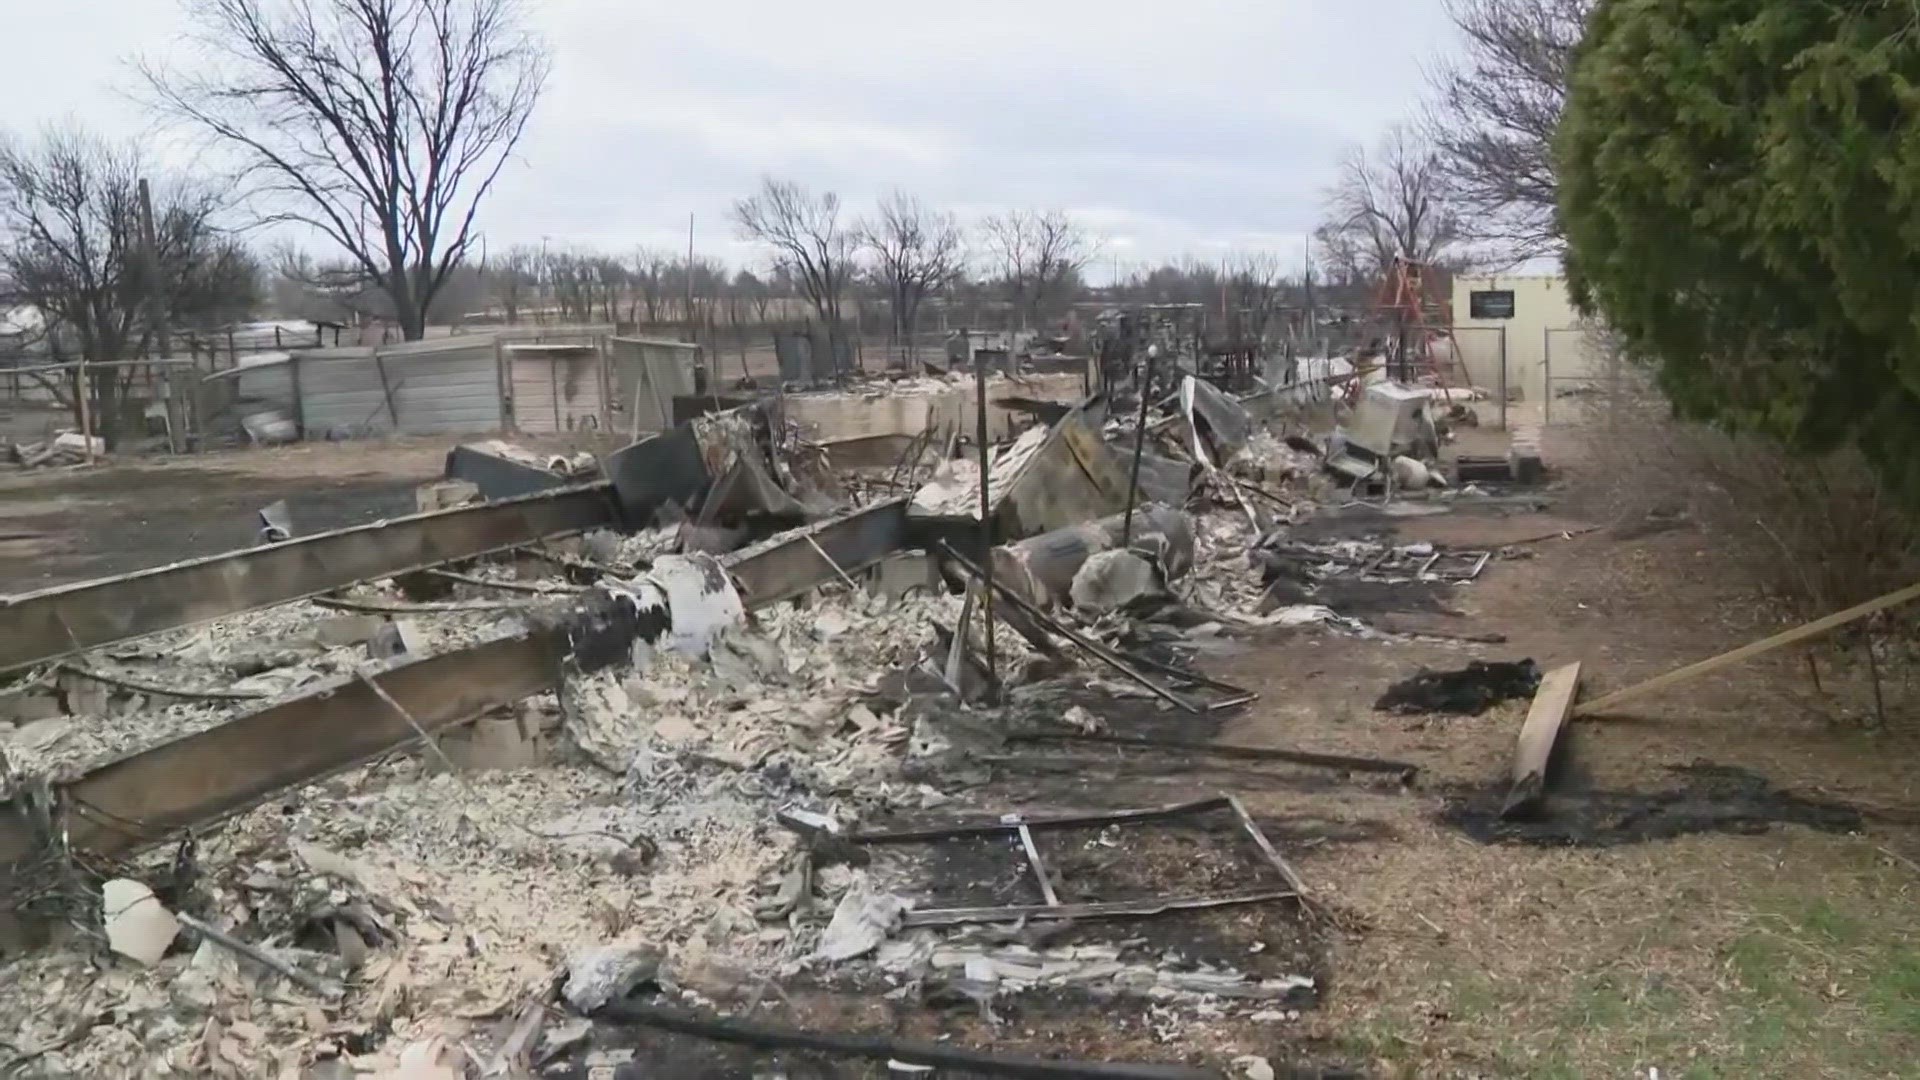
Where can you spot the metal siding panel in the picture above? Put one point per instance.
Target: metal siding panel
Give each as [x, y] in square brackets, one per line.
[273, 383]
[450, 390]
[534, 381]
[660, 370]
[340, 392]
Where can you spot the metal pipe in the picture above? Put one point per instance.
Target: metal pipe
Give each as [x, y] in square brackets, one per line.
[1503, 378]
[1139, 446]
[986, 516]
[1546, 375]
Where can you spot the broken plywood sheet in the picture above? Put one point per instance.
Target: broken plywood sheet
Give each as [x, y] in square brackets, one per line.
[1047, 479]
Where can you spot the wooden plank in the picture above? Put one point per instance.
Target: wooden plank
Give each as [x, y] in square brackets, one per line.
[1249, 753]
[1039, 865]
[1601, 705]
[1552, 704]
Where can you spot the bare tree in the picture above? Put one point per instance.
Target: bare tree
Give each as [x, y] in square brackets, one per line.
[810, 243]
[71, 238]
[1341, 257]
[380, 123]
[1388, 205]
[916, 252]
[579, 282]
[1255, 282]
[757, 293]
[323, 290]
[513, 278]
[646, 278]
[1494, 115]
[1038, 254]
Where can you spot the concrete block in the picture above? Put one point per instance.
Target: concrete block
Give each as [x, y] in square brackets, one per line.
[85, 697]
[27, 706]
[512, 741]
[339, 631]
[443, 494]
[897, 575]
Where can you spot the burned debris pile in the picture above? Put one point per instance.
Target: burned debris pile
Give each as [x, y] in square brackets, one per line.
[1469, 691]
[704, 734]
[65, 448]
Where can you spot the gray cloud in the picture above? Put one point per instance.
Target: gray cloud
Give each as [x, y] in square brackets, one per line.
[1205, 127]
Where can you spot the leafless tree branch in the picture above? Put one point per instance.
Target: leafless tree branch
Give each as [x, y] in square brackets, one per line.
[71, 248]
[916, 252]
[380, 123]
[1037, 254]
[1493, 116]
[1388, 205]
[808, 239]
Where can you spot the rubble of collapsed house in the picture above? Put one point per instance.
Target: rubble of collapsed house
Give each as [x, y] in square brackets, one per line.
[434, 822]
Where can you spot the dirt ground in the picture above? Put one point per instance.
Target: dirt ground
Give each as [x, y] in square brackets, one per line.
[58, 526]
[1750, 948]
[1723, 883]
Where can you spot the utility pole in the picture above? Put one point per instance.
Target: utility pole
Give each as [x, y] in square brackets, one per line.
[154, 296]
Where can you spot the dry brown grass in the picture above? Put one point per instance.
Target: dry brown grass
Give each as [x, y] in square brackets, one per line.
[1809, 534]
[1818, 532]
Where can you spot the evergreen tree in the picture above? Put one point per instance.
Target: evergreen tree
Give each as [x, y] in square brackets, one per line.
[1740, 190]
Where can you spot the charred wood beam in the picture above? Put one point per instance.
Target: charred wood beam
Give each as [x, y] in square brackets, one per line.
[878, 1047]
[1344, 762]
[51, 623]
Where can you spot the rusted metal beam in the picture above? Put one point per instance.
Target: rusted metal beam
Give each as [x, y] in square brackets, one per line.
[787, 566]
[1112, 909]
[51, 623]
[194, 781]
[1058, 821]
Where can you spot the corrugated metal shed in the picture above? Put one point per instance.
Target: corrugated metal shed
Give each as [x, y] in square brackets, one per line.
[557, 388]
[447, 386]
[341, 395]
[265, 378]
[646, 374]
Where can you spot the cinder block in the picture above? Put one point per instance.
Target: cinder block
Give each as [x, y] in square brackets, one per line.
[444, 494]
[509, 741]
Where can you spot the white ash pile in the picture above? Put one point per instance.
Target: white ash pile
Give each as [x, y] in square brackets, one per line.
[115, 701]
[798, 696]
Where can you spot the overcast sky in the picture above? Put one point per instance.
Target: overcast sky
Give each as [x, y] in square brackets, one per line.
[1198, 127]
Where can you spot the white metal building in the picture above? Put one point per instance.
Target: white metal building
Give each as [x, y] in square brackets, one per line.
[1528, 319]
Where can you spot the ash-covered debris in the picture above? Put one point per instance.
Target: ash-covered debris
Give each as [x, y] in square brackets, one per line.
[695, 727]
[253, 659]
